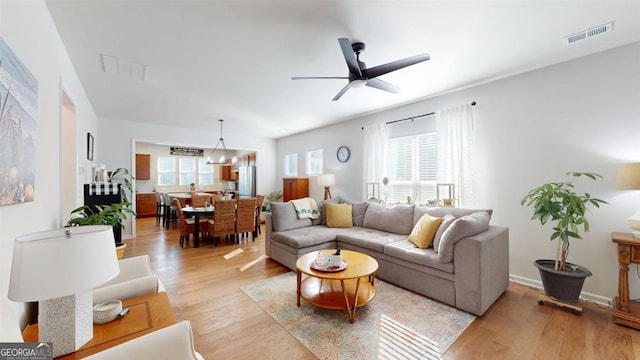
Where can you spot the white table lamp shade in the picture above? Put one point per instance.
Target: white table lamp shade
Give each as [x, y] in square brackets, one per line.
[629, 179]
[326, 179]
[48, 264]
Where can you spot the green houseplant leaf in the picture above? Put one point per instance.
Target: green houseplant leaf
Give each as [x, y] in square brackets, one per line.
[559, 203]
[122, 176]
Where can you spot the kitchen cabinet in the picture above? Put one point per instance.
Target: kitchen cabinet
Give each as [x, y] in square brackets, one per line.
[295, 188]
[145, 205]
[143, 166]
[225, 173]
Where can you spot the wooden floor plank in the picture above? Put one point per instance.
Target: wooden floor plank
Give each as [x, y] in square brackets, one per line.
[204, 288]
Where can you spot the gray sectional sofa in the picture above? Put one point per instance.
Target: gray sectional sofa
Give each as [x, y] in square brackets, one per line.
[467, 266]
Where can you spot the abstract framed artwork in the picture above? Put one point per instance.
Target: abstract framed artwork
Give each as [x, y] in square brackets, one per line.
[18, 129]
[89, 147]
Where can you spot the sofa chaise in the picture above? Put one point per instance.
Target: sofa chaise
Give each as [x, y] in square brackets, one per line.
[466, 265]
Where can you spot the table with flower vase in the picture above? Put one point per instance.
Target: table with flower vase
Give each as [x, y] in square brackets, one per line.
[350, 287]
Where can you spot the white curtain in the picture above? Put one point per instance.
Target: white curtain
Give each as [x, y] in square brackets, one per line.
[455, 151]
[374, 158]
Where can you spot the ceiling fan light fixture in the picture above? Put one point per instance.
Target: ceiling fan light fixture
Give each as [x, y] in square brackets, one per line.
[358, 83]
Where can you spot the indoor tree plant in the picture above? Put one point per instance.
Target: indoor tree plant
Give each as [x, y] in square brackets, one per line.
[559, 203]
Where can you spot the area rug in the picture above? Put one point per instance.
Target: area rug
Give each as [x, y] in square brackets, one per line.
[396, 324]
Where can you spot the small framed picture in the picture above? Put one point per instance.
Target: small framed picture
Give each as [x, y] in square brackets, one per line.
[89, 147]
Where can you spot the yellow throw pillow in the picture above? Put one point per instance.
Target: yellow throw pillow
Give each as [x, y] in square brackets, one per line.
[422, 234]
[338, 215]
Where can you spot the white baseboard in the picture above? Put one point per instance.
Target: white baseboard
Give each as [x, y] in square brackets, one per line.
[584, 296]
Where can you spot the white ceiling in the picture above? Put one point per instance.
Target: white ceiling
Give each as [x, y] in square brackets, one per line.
[234, 59]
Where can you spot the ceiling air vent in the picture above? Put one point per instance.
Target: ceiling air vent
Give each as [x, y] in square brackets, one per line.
[598, 30]
[118, 67]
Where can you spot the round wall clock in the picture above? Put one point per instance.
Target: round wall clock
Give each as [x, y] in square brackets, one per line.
[343, 154]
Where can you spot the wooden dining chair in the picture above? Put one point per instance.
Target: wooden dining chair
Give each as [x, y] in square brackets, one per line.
[246, 218]
[187, 226]
[224, 220]
[200, 200]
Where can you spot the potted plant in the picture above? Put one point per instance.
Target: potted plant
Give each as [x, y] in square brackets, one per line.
[122, 176]
[273, 196]
[559, 203]
[113, 215]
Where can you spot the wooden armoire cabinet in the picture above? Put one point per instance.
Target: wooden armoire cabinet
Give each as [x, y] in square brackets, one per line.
[295, 188]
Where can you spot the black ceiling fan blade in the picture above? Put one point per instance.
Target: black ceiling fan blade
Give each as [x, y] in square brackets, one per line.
[382, 85]
[344, 90]
[395, 65]
[318, 77]
[349, 56]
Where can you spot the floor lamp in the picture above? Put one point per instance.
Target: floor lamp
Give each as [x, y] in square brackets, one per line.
[326, 180]
[629, 179]
[59, 269]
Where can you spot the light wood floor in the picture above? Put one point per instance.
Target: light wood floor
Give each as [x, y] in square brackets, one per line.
[204, 288]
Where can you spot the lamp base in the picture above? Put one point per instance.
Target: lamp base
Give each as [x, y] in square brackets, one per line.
[67, 322]
[327, 193]
[634, 224]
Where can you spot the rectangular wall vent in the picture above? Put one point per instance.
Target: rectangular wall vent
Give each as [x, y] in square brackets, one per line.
[118, 67]
[583, 35]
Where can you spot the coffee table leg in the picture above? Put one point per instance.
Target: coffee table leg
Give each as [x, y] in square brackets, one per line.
[299, 281]
[351, 310]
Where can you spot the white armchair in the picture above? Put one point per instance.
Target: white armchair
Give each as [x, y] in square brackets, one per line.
[172, 342]
[136, 278]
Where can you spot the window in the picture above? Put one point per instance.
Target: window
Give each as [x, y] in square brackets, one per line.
[411, 167]
[205, 173]
[166, 171]
[291, 165]
[187, 171]
[314, 162]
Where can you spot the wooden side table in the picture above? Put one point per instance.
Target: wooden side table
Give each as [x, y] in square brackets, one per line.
[147, 313]
[627, 313]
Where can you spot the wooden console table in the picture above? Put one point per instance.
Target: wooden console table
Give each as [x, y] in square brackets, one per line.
[147, 313]
[627, 313]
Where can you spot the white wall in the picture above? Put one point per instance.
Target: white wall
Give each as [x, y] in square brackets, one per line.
[29, 31]
[532, 128]
[118, 138]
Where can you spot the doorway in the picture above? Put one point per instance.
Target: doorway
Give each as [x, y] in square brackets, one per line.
[69, 157]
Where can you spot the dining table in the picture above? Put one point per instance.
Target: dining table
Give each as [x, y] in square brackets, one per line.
[183, 196]
[196, 212]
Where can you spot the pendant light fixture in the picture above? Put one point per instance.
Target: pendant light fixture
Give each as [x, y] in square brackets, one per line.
[224, 159]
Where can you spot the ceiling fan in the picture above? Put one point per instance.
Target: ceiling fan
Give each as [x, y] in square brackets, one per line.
[359, 74]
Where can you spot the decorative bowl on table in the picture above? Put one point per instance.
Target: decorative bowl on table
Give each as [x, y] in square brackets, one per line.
[323, 263]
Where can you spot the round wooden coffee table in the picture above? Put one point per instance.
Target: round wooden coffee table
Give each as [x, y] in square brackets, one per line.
[346, 289]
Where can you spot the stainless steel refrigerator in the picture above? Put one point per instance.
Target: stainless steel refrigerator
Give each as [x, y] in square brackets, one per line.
[247, 181]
